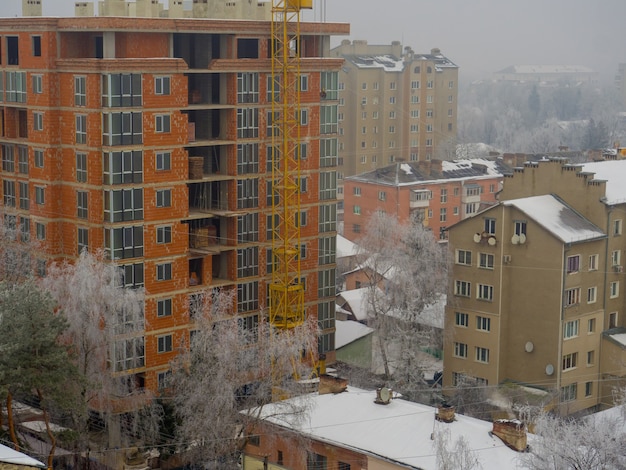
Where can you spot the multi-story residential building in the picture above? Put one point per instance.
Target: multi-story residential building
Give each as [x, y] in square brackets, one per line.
[394, 105]
[536, 292]
[150, 138]
[547, 74]
[441, 192]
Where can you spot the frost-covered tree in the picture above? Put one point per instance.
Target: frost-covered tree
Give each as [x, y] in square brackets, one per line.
[406, 271]
[564, 444]
[455, 455]
[33, 358]
[233, 366]
[105, 327]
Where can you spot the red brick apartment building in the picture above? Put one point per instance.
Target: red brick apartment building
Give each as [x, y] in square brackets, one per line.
[149, 138]
[442, 192]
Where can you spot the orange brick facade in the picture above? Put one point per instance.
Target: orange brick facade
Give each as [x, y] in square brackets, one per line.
[100, 119]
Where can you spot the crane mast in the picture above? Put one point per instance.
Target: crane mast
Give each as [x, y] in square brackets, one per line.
[286, 290]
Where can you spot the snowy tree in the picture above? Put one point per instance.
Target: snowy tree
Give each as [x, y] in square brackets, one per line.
[105, 326]
[33, 358]
[455, 455]
[16, 251]
[232, 368]
[406, 271]
[577, 445]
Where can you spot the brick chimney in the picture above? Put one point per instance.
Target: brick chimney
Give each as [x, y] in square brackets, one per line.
[424, 167]
[512, 433]
[445, 413]
[436, 166]
[329, 384]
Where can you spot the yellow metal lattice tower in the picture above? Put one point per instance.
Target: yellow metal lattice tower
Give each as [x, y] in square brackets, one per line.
[286, 289]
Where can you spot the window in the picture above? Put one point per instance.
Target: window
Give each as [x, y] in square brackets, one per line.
[460, 350]
[519, 227]
[248, 228]
[121, 90]
[83, 239]
[471, 208]
[300, 220]
[443, 214]
[392, 100]
[129, 353]
[615, 257]
[462, 288]
[37, 121]
[38, 158]
[617, 227]
[382, 196]
[303, 184]
[316, 461]
[164, 343]
[275, 90]
[81, 129]
[247, 193]
[392, 85]
[482, 355]
[614, 289]
[327, 217]
[36, 43]
[572, 296]
[304, 83]
[81, 204]
[163, 161]
[247, 158]
[132, 275]
[164, 272]
[164, 234]
[24, 196]
[592, 294]
[590, 358]
[591, 325]
[588, 389]
[326, 283]
[163, 197]
[40, 194]
[162, 123]
[248, 262]
[461, 319]
[16, 86]
[356, 228]
[490, 226]
[464, 257]
[163, 379]
[123, 167]
[22, 159]
[343, 466]
[484, 292]
[123, 205]
[162, 85]
[40, 230]
[123, 242]
[164, 308]
[570, 361]
[443, 198]
[328, 185]
[37, 84]
[356, 210]
[570, 330]
[80, 91]
[483, 323]
[247, 123]
[573, 264]
[81, 167]
[569, 392]
[327, 249]
[328, 119]
[486, 260]
[593, 263]
[612, 320]
[247, 296]
[122, 128]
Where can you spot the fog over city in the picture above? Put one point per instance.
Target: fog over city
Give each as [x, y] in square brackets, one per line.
[481, 36]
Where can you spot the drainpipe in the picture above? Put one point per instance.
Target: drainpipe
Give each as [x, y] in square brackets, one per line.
[564, 251]
[500, 294]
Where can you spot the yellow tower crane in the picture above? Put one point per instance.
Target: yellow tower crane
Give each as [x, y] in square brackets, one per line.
[286, 290]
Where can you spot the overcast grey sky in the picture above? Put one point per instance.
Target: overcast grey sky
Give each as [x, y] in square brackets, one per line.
[481, 36]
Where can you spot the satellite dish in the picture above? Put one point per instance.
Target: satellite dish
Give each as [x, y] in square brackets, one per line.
[522, 238]
[477, 238]
[515, 239]
[492, 241]
[549, 369]
[529, 347]
[385, 394]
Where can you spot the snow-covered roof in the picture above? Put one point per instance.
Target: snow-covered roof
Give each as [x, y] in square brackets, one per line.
[399, 432]
[348, 331]
[387, 62]
[411, 173]
[614, 173]
[557, 218]
[357, 300]
[10, 456]
[345, 247]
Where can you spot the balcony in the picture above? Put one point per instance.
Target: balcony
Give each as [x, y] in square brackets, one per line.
[471, 194]
[208, 163]
[420, 199]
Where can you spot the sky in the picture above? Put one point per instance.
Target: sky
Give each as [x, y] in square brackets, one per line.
[481, 36]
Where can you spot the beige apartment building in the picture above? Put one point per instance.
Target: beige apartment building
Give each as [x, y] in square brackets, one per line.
[536, 293]
[394, 105]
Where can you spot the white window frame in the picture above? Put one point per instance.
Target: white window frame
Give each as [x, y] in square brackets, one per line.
[162, 85]
[571, 329]
[482, 355]
[163, 123]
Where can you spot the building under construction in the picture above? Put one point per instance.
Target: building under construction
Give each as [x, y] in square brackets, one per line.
[154, 138]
